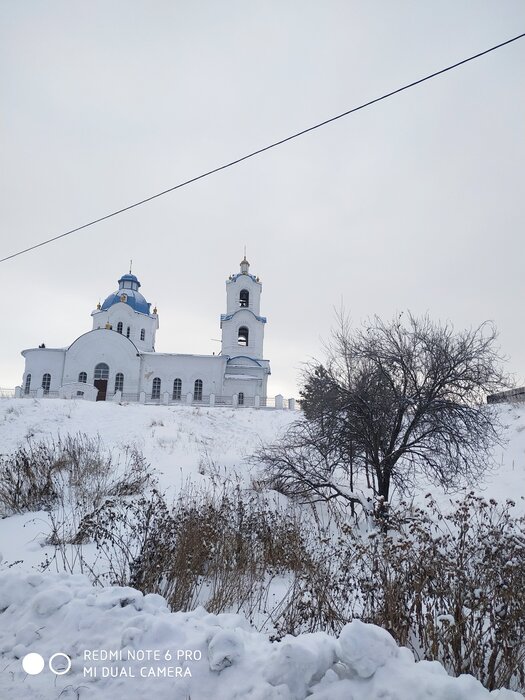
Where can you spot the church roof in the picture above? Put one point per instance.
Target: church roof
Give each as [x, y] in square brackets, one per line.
[226, 317]
[128, 293]
[129, 277]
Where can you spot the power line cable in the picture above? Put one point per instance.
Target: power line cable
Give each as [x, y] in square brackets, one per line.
[265, 148]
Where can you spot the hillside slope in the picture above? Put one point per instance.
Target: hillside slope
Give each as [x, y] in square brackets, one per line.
[49, 612]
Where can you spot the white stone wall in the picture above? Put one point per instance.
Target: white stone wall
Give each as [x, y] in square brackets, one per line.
[233, 290]
[78, 390]
[40, 361]
[101, 345]
[139, 369]
[238, 371]
[129, 318]
[209, 368]
[230, 335]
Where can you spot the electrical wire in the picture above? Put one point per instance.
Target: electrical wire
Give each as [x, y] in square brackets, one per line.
[265, 148]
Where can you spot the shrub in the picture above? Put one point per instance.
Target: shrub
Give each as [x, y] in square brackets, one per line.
[448, 586]
[28, 479]
[75, 470]
[219, 548]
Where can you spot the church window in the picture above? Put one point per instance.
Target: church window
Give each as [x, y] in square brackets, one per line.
[128, 331]
[177, 389]
[155, 389]
[142, 334]
[82, 377]
[27, 385]
[46, 382]
[244, 298]
[102, 371]
[197, 390]
[241, 398]
[242, 338]
[119, 327]
[119, 382]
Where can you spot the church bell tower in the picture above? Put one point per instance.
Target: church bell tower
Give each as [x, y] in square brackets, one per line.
[242, 325]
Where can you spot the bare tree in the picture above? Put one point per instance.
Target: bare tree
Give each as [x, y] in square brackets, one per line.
[311, 466]
[393, 399]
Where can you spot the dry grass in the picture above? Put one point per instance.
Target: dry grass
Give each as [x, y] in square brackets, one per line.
[75, 469]
[449, 586]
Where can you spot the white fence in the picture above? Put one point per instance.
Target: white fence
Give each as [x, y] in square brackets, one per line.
[510, 396]
[166, 399]
[6, 393]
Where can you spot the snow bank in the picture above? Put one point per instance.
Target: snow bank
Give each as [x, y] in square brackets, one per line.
[124, 645]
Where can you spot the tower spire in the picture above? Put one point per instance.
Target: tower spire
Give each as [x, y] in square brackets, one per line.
[245, 265]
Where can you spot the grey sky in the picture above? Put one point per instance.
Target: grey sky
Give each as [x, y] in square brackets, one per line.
[416, 203]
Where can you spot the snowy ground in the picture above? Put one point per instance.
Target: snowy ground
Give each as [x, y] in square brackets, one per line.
[173, 438]
[50, 613]
[181, 443]
[197, 656]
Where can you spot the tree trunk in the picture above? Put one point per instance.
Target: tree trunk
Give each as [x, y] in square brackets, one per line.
[383, 474]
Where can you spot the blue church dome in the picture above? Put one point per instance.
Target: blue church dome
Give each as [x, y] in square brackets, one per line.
[128, 293]
[129, 278]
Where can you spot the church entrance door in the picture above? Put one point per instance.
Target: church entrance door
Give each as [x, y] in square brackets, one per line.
[102, 386]
[100, 380]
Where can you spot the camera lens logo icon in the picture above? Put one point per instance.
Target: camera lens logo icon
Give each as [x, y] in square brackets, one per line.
[34, 663]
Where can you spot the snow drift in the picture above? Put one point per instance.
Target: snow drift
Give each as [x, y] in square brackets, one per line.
[126, 645]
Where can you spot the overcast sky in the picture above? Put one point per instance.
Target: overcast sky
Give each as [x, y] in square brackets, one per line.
[415, 203]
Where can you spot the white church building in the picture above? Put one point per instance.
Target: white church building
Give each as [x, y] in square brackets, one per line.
[116, 359]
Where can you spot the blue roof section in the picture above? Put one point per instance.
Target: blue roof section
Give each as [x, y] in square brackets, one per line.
[128, 294]
[244, 357]
[226, 317]
[243, 274]
[129, 278]
[133, 299]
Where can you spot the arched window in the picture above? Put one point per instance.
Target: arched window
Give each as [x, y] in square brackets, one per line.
[142, 334]
[119, 327]
[244, 298]
[27, 386]
[128, 331]
[177, 389]
[101, 371]
[242, 338]
[119, 382]
[82, 377]
[46, 382]
[241, 398]
[155, 389]
[197, 390]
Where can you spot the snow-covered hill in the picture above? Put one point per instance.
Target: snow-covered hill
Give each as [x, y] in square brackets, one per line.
[49, 613]
[172, 438]
[179, 442]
